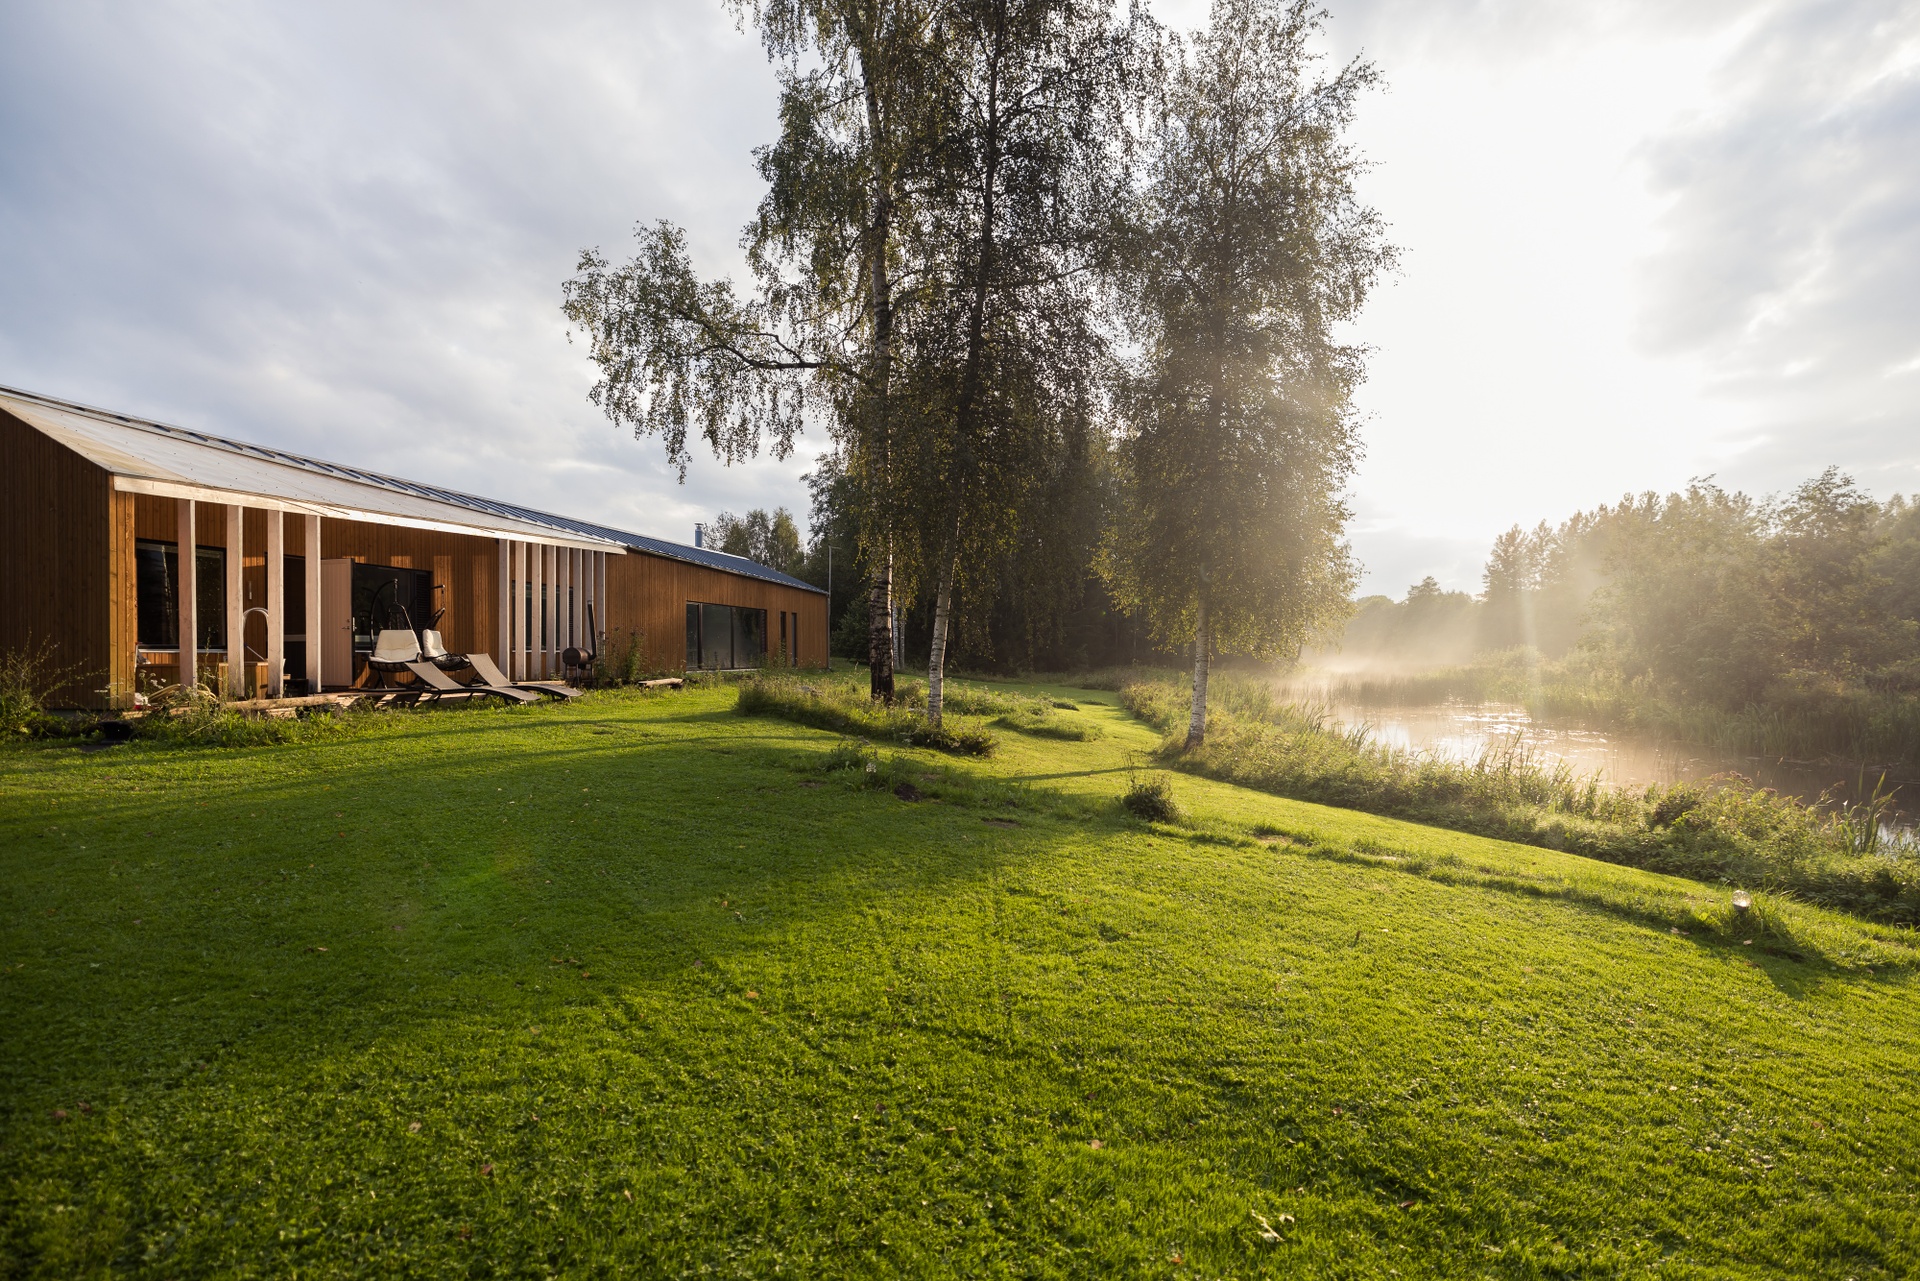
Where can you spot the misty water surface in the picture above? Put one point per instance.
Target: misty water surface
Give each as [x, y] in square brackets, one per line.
[1465, 731]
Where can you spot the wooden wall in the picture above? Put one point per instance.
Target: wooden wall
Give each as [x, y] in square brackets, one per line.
[58, 524]
[648, 597]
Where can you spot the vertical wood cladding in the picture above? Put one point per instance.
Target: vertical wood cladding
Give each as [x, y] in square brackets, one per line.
[56, 576]
[123, 601]
[648, 595]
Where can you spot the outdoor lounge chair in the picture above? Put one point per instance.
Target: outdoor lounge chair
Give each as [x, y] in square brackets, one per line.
[393, 649]
[434, 650]
[484, 666]
[442, 684]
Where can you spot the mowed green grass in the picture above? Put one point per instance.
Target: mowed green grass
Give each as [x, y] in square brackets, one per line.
[633, 987]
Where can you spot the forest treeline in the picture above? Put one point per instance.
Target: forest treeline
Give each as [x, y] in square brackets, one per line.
[1788, 625]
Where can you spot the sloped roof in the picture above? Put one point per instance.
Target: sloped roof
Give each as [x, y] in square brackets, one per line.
[158, 457]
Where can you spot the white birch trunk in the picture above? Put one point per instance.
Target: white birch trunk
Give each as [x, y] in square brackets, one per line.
[1197, 726]
[937, 657]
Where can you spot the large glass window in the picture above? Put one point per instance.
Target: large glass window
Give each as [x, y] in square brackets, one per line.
[386, 598]
[156, 579]
[725, 636]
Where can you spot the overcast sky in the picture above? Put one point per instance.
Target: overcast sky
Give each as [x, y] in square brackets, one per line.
[1643, 241]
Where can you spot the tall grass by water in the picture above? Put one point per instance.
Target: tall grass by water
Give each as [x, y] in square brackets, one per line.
[1722, 830]
[1799, 720]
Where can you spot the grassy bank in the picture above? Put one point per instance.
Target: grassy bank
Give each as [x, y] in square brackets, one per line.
[1723, 832]
[644, 986]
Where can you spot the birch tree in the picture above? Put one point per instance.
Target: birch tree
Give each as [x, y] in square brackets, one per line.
[1250, 247]
[1018, 193]
[677, 353]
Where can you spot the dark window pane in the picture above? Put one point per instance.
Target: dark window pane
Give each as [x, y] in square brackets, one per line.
[155, 578]
[210, 593]
[716, 636]
[693, 634]
[388, 598]
[750, 647]
[294, 584]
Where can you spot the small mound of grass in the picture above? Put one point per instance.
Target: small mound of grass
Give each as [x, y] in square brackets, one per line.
[1049, 726]
[840, 706]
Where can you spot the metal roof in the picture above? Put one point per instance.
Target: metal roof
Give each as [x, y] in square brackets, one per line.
[156, 457]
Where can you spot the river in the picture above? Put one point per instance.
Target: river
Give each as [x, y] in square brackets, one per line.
[1465, 731]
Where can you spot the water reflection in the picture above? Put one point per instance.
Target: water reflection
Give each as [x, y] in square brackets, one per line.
[1465, 731]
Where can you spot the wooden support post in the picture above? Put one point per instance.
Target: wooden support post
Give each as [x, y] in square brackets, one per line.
[537, 612]
[236, 605]
[590, 563]
[577, 561]
[552, 569]
[563, 597]
[500, 637]
[311, 561]
[517, 635]
[276, 603]
[187, 591]
[600, 598]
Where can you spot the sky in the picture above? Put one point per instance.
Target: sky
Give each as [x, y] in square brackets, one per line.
[1642, 242]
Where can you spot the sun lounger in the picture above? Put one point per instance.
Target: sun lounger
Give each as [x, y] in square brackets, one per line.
[493, 676]
[442, 684]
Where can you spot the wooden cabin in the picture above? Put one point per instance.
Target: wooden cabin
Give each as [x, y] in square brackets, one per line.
[298, 563]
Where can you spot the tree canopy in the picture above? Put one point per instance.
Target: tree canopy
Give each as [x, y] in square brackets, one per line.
[1249, 246]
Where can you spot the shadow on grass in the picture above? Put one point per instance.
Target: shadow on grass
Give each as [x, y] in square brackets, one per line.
[319, 900]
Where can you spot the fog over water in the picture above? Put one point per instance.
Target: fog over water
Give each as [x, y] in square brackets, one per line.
[1467, 731]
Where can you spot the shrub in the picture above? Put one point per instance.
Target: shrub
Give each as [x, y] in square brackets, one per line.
[622, 660]
[27, 676]
[1151, 799]
[855, 757]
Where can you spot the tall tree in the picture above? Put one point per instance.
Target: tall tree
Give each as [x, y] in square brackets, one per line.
[1251, 246]
[1019, 188]
[675, 352]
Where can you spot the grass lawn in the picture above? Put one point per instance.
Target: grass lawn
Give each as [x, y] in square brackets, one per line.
[636, 987]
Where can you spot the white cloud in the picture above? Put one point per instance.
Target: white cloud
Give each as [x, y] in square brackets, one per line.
[342, 229]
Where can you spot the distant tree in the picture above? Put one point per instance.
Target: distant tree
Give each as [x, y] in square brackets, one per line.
[1251, 246]
[772, 540]
[1512, 579]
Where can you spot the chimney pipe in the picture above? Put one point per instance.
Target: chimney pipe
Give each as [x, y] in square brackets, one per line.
[699, 535]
